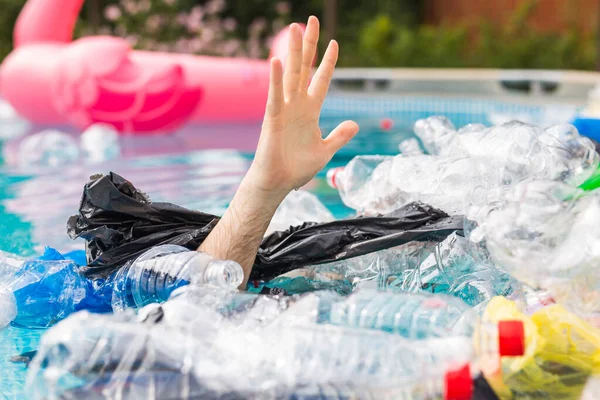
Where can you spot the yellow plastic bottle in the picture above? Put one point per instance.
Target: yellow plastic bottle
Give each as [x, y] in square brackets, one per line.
[562, 351]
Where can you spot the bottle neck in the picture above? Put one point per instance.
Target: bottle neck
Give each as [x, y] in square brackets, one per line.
[221, 273]
[335, 178]
[486, 347]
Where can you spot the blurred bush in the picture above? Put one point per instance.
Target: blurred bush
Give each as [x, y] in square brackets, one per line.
[383, 42]
[372, 33]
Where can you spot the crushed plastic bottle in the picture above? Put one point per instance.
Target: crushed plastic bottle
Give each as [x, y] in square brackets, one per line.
[49, 148]
[446, 268]
[464, 165]
[43, 291]
[450, 269]
[362, 181]
[153, 276]
[116, 355]
[447, 183]
[11, 124]
[524, 151]
[100, 143]
[410, 147]
[553, 224]
[298, 207]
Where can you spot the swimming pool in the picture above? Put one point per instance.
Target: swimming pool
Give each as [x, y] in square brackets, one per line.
[200, 168]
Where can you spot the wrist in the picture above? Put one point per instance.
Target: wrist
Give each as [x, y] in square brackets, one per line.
[268, 192]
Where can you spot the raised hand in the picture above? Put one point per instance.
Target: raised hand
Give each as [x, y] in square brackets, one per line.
[292, 149]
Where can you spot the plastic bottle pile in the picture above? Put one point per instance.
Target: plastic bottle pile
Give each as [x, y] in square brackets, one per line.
[505, 308]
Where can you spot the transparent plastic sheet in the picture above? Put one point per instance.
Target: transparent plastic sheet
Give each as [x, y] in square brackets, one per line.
[119, 223]
[446, 267]
[159, 354]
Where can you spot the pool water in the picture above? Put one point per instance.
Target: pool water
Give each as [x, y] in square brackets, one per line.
[196, 168]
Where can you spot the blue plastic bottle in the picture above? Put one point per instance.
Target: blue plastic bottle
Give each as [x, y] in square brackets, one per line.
[153, 276]
[46, 290]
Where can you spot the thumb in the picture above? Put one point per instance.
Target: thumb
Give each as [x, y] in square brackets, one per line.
[341, 135]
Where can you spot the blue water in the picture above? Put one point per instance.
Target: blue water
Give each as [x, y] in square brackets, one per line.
[198, 168]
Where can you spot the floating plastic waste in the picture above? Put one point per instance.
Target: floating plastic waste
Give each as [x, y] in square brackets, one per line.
[464, 165]
[11, 124]
[298, 207]
[410, 147]
[562, 351]
[400, 303]
[553, 224]
[49, 148]
[376, 184]
[153, 276]
[113, 355]
[100, 143]
[43, 291]
[445, 267]
[525, 151]
[9, 264]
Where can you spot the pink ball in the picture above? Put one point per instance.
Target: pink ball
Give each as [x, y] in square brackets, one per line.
[386, 124]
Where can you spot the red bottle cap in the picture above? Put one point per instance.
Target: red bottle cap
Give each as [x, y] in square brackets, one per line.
[511, 338]
[332, 175]
[459, 384]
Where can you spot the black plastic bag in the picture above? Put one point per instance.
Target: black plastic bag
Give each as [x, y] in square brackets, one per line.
[119, 223]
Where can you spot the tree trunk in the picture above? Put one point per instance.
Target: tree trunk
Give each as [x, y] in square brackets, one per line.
[93, 11]
[598, 36]
[330, 17]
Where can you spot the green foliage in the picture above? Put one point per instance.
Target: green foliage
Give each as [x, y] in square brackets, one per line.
[372, 33]
[382, 43]
[518, 46]
[9, 10]
[385, 43]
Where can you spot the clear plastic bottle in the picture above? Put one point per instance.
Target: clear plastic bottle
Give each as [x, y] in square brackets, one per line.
[118, 357]
[363, 183]
[444, 268]
[153, 276]
[376, 184]
[416, 316]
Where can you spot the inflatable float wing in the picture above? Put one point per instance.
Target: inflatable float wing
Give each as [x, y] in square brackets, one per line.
[52, 81]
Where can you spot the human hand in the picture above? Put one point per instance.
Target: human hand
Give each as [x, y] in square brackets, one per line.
[291, 149]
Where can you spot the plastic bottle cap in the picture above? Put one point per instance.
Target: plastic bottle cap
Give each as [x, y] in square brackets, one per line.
[459, 384]
[331, 176]
[511, 338]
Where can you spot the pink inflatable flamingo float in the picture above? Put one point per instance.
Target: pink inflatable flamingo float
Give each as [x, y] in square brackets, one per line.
[51, 80]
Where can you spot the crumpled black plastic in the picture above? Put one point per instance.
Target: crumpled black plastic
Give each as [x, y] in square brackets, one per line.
[119, 223]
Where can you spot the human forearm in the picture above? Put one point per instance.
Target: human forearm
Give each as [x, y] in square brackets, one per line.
[239, 233]
[291, 149]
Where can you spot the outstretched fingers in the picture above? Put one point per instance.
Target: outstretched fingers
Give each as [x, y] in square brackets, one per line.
[341, 135]
[309, 49]
[275, 100]
[293, 64]
[320, 83]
